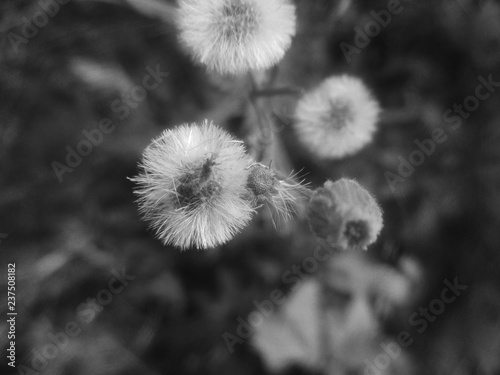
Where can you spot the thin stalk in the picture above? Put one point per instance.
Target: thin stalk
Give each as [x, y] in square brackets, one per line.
[263, 120]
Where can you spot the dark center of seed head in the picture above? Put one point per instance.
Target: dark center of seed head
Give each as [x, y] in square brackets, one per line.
[195, 188]
[339, 115]
[356, 232]
[239, 19]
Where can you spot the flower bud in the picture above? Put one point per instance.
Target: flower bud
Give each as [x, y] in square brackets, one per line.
[345, 215]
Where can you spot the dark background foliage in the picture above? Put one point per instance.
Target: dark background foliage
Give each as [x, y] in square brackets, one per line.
[66, 237]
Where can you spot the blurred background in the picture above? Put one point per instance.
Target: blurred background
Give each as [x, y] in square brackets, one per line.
[87, 265]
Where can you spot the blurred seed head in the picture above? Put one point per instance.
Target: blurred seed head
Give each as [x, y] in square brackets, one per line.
[345, 215]
[338, 118]
[236, 36]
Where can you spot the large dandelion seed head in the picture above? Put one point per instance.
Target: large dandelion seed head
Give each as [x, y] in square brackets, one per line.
[345, 215]
[236, 36]
[338, 118]
[193, 186]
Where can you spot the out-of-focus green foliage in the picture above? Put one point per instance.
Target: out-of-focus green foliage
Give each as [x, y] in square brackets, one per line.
[66, 237]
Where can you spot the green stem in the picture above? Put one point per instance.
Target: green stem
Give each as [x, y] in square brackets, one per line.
[263, 120]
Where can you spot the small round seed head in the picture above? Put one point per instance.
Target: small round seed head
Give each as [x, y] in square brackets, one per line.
[338, 118]
[345, 215]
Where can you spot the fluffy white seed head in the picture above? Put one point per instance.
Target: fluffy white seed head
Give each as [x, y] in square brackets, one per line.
[236, 36]
[192, 188]
[338, 118]
[345, 215]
